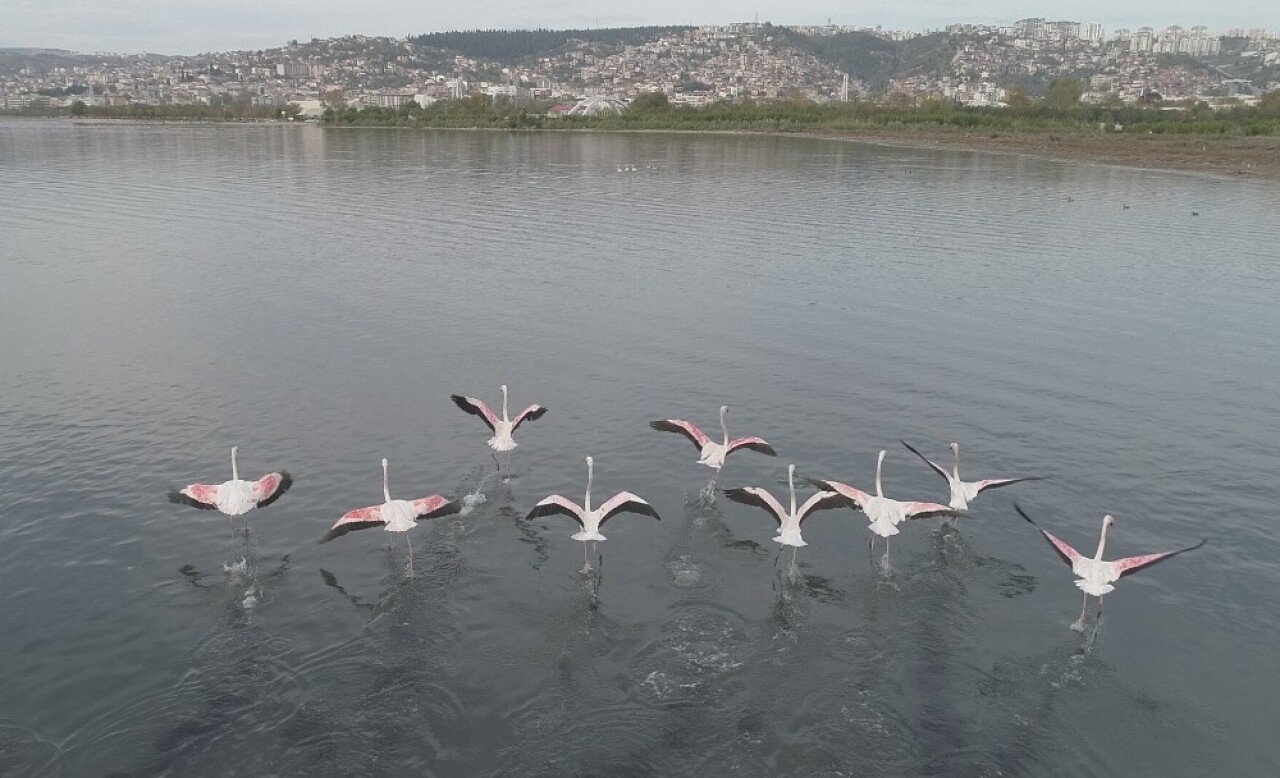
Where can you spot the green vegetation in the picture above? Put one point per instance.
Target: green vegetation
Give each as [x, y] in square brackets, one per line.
[208, 113]
[871, 58]
[514, 45]
[1059, 111]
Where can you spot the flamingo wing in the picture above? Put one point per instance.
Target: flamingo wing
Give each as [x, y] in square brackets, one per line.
[624, 502]
[271, 487]
[856, 495]
[696, 436]
[556, 504]
[532, 413]
[476, 408]
[202, 496]
[928, 510]
[754, 495]
[1064, 549]
[1133, 564]
[754, 443]
[937, 468]
[823, 501]
[361, 518]
[996, 483]
[434, 507]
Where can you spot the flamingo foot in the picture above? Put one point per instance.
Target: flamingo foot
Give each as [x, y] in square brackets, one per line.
[1078, 625]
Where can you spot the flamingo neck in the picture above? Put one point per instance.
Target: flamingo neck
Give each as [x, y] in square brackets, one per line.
[1102, 541]
[386, 491]
[724, 427]
[879, 465]
[235, 474]
[504, 404]
[955, 469]
[591, 474]
[791, 484]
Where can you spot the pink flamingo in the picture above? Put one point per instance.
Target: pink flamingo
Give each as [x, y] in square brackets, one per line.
[502, 428]
[711, 453]
[885, 514]
[591, 520]
[963, 492]
[237, 496]
[789, 521]
[393, 515]
[1095, 574]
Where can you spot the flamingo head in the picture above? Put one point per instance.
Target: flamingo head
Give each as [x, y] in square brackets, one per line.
[503, 388]
[791, 470]
[724, 410]
[384, 463]
[1108, 520]
[590, 461]
[881, 457]
[234, 449]
[955, 447]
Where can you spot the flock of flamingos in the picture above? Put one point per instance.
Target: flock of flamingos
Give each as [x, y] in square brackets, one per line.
[1095, 575]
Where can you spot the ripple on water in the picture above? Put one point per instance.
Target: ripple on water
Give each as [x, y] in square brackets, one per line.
[22, 750]
[700, 646]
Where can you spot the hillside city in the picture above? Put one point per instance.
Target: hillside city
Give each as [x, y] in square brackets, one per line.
[964, 63]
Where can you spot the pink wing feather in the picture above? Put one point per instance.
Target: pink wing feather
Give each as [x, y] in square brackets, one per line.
[532, 413]
[852, 492]
[761, 498]
[688, 429]
[202, 493]
[754, 443]
[1134, 563]
[925, 510]
[476, 408]
[433, 506]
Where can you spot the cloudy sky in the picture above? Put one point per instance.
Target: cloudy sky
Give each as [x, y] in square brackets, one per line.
[192, 26]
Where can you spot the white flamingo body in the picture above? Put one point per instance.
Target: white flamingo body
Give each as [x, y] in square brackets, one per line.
[392, 515]
[591, 519]
[789, 521]
[710, 452]
[237, 496]
[502, 427]
[1094, 575]
[963, 492]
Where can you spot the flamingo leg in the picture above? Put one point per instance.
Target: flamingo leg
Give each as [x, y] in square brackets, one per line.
[586, 563]
[1078, 626]
[409, 540]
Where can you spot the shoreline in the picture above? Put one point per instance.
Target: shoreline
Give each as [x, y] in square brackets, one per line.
[1251, 157]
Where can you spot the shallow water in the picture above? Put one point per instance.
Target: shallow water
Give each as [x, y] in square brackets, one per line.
[314, 296]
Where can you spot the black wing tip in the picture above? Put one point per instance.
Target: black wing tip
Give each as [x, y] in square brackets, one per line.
[1024, 515]
[538, 414]
[448, 509]
[662, 425]
[765, 448]
[178, 498]
[462, 403]
[343, 529]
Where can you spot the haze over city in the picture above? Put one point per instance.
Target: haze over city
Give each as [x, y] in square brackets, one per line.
[188, 27]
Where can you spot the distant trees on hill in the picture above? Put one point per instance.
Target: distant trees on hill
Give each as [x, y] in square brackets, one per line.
[513, 45]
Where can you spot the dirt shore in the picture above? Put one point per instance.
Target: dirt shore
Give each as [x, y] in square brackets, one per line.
[1256, 157]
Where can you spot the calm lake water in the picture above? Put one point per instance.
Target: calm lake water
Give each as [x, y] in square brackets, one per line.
[314, 296]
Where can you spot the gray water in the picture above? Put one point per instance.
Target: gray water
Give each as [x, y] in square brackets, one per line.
[314, 296]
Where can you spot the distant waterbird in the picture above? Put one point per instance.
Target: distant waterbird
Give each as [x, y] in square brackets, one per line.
[237, 496]
[712, 453]
[964, 492]
[1095, 575]
[789, 520]
[884, 514]
[393, 515]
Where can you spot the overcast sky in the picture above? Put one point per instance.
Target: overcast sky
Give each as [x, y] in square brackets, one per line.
[192, 26]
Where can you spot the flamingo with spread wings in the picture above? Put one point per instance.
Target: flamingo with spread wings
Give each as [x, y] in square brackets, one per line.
[1095, 575]
[964, 492]
[237, 496]
[885, 514]
[712, 453]
[589, 519]
[789, 521]
[504, 427]
[393, 515]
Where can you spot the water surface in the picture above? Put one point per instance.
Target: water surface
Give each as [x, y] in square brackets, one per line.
[314, 296]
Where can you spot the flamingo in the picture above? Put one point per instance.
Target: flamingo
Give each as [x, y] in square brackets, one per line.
[393, 515]
[237, 496]
[789, 521]
[711, 453]
[885, 514]
[502, 428]
[591, 520]
[1096, 575]
[963, 492]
